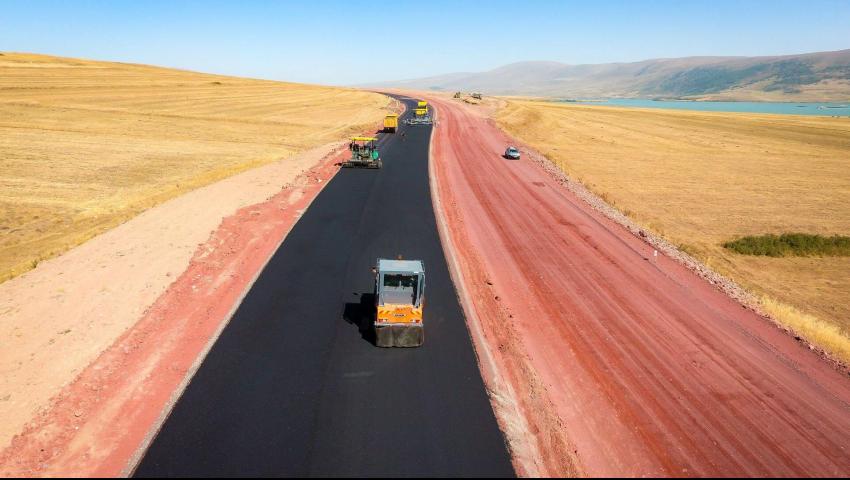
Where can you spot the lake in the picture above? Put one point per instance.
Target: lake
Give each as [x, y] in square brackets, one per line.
[821, 109]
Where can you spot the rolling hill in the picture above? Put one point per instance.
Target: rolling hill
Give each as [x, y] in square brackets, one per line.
[86, 145]
[815, 77]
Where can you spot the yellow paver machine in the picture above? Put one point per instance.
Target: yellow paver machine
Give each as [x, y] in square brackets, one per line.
[421, 115]
[399, 299]
[364, 153]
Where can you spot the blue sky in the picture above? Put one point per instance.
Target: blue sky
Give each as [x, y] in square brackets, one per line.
[336, 42]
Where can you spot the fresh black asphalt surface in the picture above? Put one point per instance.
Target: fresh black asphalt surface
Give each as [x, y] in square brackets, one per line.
[294, 386]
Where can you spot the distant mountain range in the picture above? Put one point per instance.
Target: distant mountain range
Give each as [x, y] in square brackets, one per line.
[809, 77]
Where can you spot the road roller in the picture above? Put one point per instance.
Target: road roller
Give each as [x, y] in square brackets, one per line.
[399, 299]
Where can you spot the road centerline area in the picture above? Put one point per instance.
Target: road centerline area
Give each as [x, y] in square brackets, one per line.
[294, 384]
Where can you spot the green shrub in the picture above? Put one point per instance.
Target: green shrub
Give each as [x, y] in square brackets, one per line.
[791, 245]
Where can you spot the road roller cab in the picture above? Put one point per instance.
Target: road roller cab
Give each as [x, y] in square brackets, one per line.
[399, 289]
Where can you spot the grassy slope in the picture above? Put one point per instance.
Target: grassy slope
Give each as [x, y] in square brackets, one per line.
[704, 178]
[87, 145]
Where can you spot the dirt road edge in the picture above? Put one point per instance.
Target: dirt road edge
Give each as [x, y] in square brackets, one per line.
[523, 439]
[102, 423]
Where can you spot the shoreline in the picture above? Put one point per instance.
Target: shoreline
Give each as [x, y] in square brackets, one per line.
[806, 109]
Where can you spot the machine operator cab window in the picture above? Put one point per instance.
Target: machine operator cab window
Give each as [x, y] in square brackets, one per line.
[400, 289]
[400, 282]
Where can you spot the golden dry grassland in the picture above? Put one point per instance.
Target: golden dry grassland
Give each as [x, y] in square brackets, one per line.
[700, 179]
[87, 145]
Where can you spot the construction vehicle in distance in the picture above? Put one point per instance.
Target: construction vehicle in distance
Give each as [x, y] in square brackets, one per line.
[364, 153]
[476, 96]
[458, 95]
[421, 115]
[391, 123]
[399, 300]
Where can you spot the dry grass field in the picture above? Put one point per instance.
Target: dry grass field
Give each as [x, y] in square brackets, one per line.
[700, 179]
[87, 145]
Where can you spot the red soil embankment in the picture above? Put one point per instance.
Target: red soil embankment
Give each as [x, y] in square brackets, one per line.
[605, 360]
[101, 422]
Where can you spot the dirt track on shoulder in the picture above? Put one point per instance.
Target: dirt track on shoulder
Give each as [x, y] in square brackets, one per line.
[618, 362]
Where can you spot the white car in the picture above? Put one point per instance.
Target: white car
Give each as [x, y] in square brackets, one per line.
[512, 153]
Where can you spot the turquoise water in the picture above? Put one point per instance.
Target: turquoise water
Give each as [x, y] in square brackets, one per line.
[822, 109]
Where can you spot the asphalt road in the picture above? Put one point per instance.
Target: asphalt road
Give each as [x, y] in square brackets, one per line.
[294, 386]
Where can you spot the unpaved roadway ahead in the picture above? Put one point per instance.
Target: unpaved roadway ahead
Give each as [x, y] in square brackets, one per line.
[632, 364]
[293, 388]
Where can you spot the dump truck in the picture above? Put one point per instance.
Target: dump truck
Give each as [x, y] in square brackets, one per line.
[364, 153]
[399, 300]
[422, 105]
[391, 123]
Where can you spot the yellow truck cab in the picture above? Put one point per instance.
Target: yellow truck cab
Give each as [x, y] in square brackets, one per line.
[399, 299]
